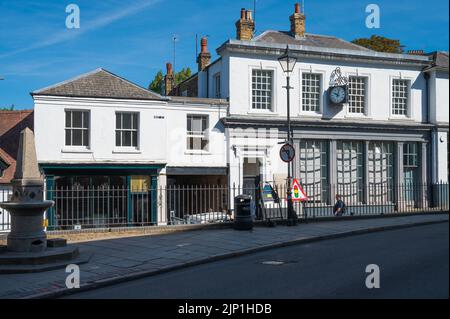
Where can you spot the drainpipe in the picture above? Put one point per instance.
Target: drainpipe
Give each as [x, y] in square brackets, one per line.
[433, 167]
[207, 83]
[427, 96]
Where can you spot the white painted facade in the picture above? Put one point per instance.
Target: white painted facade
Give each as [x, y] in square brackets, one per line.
[162, 132]
[439, 115]
[427, 106]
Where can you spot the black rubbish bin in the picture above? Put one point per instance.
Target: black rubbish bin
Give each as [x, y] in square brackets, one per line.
[242, 212]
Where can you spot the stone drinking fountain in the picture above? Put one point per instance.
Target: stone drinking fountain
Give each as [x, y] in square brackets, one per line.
[28, 249]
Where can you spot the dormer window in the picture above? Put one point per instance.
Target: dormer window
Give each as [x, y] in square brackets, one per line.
[217, 88]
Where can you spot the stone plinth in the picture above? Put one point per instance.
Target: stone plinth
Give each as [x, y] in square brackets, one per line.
[26, 249]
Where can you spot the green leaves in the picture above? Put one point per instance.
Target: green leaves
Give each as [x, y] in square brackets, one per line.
[157, 84]
[380, 44]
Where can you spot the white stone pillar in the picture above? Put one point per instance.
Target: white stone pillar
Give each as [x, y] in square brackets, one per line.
[162, 198]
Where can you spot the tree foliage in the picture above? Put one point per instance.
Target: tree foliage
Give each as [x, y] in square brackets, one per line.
[11, 108]
[380, 44]
[157, 85]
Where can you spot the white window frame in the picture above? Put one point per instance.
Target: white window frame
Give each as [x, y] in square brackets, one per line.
[409, 112]
[88, 129]
[273, 110]
[322, 74]
[204, 135]
[368, 105]
[363, 81]
[120, 147]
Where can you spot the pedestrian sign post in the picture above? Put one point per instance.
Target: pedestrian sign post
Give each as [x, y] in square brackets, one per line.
[298, 194]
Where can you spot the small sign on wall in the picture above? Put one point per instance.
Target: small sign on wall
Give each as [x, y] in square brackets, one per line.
[140, 184]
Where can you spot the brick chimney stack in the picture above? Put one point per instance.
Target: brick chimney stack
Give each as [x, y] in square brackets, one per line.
[298, 20]
[245, 26]
[169, 79]
[204, 58]
[416, 52]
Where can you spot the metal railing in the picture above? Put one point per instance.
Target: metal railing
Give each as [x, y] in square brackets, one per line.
[5, 219]
[103, 207]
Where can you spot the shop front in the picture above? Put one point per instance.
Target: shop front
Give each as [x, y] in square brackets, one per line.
[96, 196]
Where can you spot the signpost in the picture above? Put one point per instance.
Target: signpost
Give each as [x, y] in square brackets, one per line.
[287, 153]
[298, 194]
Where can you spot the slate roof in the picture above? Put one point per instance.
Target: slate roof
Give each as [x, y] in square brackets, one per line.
[313, 40]
[11, 124]
[198, 100]
[99, 83]
[439, 60]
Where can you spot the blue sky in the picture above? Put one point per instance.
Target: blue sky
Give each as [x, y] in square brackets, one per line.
[134, 38]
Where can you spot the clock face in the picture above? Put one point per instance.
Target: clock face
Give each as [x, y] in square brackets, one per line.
[338, 94]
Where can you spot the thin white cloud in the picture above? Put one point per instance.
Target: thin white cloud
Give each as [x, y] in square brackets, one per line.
[86, 27]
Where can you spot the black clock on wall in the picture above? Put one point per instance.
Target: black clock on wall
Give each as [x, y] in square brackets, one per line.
[338, 91]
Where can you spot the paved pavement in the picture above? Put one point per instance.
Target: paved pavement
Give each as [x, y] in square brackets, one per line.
[118, 260]
[413, 263]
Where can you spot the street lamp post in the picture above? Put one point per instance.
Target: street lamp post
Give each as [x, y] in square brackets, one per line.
[287, 62]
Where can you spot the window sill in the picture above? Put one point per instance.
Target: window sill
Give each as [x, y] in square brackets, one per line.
[127, 151]
[358, 116]
[401, 117]
[76, 150]
[266, 113]
[197, 152]
[310, 114]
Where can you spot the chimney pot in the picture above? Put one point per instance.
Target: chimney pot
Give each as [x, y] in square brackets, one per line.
[416, 52]
[249, 15]
[243, 14]
[169, 68]
[297, 7]
[204, 45]
[204, 58]
[169, 80]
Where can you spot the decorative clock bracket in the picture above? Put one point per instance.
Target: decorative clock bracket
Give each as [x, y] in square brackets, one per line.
[337, 79]
[338, 90]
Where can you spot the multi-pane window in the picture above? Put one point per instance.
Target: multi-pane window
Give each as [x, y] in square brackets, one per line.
[127, 129]
[357, 94]
[262, 89]
[411, 164]
[400, 97]
[314, 169]
[350, 171]
[77, 128]
[197, 132]
[311, 91]
[381, 172]
[410, 156]
[217, 94]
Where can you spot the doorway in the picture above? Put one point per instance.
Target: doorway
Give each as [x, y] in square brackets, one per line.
[252, 181]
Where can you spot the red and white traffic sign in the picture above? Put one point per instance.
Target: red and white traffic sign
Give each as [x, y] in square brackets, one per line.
[298, 194]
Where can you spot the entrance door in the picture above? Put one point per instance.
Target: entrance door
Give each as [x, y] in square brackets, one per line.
[410, 173]
[410, 186]
[252, 181]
